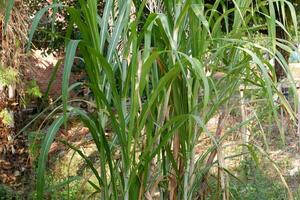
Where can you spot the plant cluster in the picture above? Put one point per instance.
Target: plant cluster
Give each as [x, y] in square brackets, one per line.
[155, 78]
[8, 76]
[6, 117]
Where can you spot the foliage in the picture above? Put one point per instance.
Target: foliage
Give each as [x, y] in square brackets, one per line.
[34, 143]
[53, 27]
[7, 193]
[6, 117]
[33, 89]
[8, 76]
[256, 184]
[60, 188]
[154, 82]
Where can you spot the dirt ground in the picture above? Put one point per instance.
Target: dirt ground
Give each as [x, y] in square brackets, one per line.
[41, 70]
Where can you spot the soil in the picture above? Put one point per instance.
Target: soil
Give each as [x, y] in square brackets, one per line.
[41, 69]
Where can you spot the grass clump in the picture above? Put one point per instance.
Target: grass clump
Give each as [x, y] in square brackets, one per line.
[8, 76]
[256, 184]
[6, 117]
[153, 74]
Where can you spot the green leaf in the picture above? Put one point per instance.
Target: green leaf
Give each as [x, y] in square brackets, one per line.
[52, 131]
[8, 11]
[62, 184]
[69, 60]
[36, 20]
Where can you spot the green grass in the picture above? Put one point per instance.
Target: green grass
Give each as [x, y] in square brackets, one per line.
[7, 193]
[257, 184]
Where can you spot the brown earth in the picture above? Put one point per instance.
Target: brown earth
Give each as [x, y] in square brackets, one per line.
[41, 69]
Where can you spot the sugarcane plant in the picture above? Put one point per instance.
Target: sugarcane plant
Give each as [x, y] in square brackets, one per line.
[153, 74]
